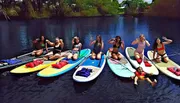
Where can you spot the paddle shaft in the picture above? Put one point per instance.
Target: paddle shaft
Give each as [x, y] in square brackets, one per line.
[83, 60]
[116, 61]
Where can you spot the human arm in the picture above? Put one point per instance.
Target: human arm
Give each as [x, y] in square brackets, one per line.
[92, 42]
[102, 45]
[80, 46]
[46, 47]
[73, 39]
[135, 42]
[167, 41]
[154, 53]
[147, 43]
[122, 45]
[62, 43]
[50, 43]
[111, 41]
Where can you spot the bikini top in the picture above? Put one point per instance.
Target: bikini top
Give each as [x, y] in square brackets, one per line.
[162, 48]
[77, 45]
[116, 46]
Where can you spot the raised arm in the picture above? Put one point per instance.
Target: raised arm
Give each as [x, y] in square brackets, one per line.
[147, 43]
[92, 42]
[167, 41]
[111, 41]
[50, 43]
[135, 42]
[62, 43]
[73, 40]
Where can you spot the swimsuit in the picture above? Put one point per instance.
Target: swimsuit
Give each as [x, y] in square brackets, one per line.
[39, 45]
[57, 49]
[76, 46]
[140, 48]
[97, 47]
[115, 46]
[162, 48]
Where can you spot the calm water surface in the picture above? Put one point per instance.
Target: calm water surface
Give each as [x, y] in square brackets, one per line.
[16, 37]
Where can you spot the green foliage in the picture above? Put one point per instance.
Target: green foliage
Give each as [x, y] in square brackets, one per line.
[70, 8]
[90, 12]
[135, 6]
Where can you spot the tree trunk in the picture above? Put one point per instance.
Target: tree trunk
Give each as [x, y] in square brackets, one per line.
[30, 9]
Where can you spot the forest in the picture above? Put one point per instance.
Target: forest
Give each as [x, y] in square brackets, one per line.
[71, 8]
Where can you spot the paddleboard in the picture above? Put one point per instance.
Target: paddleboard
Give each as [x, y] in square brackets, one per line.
[95, 65]
[121, 67]
[149, 70]
[52, 72]
[162, 66]
[23, 69]
[25, 58]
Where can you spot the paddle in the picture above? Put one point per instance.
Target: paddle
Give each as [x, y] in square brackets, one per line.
[83, 60]
[118, 62]
[174, 54]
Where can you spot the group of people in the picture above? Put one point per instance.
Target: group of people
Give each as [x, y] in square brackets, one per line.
[159, 53]
[42, 42]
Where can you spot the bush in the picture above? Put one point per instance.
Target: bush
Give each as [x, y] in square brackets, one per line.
[11, 12]
[90, 12]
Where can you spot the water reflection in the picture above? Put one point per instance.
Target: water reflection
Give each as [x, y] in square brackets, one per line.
[16, 36]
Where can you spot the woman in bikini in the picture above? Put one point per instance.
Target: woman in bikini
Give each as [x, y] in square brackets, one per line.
[117, 43]
[159, 48]
[56, 53]
[39, 45]
[98, 46]
[76, 48]
[139, 52]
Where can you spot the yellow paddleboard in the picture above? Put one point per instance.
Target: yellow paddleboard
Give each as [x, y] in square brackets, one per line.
[23, 69]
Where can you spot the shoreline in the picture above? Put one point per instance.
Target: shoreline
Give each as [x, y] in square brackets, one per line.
[23, 18]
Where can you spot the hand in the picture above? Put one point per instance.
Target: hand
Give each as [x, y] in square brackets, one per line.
[75, 37]
[47, 40]
[164, 38]
[122, 42]
[137, 39]
[91, 38]
[144, 38]
[35, 41]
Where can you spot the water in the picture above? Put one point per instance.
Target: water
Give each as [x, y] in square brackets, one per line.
[16, 37]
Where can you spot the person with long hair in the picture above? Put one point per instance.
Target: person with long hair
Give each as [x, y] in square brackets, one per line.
[139, 52]
[56, 52]
[75, 48]
[39, 44]
[159, 48]
[117, 43]
[98, 46]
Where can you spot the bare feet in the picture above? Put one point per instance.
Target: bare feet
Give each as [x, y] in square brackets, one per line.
[155, 80]
[135, 83]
